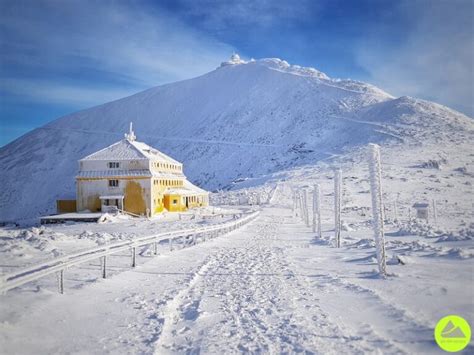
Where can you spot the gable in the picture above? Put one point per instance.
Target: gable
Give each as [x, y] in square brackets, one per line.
[122, 150]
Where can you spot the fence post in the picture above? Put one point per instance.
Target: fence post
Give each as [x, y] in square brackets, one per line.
[395, 209]
[306, 207]
[3, 281]
[293, 197]
[104, 267]
[297, 206]
[317, 209]
[300, 204]
[377, 205]
[337, 206]
[60, 275]
[314, 209]
[155, 248]
[134, 256]
[435, 212]
[170, 242]
[194, 239]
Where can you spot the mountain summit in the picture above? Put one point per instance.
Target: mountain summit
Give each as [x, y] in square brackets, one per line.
[244, 119]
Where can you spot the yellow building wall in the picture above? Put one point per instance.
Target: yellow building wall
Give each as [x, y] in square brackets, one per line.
[178, 206]
[140, 195]
[65, 206]
[158, 198]
[134, 200]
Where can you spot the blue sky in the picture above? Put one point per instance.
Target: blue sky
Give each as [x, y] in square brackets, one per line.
[60, 56]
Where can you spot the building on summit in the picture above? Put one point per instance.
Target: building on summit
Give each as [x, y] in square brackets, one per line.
[134, 177]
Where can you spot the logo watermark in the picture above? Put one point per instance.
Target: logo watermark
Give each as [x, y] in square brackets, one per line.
[452, 333]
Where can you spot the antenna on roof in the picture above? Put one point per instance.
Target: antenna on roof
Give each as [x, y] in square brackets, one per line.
[131, 135]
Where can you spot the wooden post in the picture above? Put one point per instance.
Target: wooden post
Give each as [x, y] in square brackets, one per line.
[293, 203]
[305, 203]
[317, 207]
[155, 248]
[377, 206]
[3, 281]
[314, 209]
[60, 275]
[300, 201]
[134, 256]
[435, 212]
[395, 209]
[337, 206]
[104, 267]
[297, 206]
[170, 242]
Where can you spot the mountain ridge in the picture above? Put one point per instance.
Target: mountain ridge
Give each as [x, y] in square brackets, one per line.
[244, 119]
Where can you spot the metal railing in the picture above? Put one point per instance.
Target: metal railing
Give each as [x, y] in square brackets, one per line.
[59, 265]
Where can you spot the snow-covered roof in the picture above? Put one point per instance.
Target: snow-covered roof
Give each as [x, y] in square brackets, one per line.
[130, 150]
[153, 154]
[160, 175]
[188, 189]
[114, 173]
[128, 173]
[179, 191]
[189, 185]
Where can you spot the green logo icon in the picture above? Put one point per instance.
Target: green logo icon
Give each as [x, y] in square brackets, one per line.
[452, 333]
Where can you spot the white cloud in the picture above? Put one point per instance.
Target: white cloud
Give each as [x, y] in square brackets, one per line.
[435, 61]
[122, 43]
[220, 14]
[41, 91]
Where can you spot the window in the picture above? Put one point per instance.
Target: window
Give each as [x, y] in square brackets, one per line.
[175, 202]
[113, 183]
[113, 165]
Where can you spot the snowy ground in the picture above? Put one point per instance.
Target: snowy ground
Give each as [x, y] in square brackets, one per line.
[268, 287]
[21, 247]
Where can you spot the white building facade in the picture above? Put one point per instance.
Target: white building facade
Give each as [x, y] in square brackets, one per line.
[134, 177]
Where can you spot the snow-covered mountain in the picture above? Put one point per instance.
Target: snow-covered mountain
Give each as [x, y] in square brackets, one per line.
[244, 119]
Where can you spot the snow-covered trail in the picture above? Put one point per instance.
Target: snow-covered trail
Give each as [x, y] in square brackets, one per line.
[267, 287]
[246, 297]
[257, 294]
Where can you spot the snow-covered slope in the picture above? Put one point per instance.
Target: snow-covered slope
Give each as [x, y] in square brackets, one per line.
[244, 119]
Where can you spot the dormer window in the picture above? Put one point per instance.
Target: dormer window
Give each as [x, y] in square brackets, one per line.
[113, 165]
